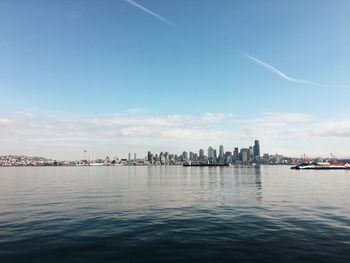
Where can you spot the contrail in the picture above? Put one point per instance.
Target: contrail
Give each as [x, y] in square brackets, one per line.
[159, 17]
[281, 74]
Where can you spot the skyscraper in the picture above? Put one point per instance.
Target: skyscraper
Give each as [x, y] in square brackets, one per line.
[256, 149]
[211, 155]
[251, 153]
[221, 154]
[201, 154]
[221, 151]
[184, 156]
[244, 155]
[236, 154]
[149, 157]
[191, 156]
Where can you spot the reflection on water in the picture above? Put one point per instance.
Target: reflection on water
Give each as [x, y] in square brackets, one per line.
[258, 183]
[174, 213]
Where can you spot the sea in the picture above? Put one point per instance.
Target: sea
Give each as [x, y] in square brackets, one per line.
[174, 214]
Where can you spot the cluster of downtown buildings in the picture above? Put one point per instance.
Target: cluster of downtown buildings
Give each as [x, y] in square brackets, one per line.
[243, 156]
[247, 155]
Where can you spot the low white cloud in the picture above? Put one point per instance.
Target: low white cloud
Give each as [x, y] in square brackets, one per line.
[4, 121]
[331, 129]
[124, 132]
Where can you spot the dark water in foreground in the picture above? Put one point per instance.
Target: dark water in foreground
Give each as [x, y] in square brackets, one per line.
[188, 214]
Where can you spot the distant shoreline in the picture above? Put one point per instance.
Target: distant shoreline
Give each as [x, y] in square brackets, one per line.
[172, 165]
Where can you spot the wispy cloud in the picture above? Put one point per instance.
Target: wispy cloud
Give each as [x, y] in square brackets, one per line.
[281, 74]
[159, 17]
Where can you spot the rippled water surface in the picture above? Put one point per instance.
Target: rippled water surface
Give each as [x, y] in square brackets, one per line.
[188, 214]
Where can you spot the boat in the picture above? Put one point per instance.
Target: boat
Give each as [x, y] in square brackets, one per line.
[322, 166]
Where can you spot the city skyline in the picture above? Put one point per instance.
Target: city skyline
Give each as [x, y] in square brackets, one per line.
[129, 76]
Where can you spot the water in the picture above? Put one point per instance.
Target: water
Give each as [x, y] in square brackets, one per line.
[177, 214]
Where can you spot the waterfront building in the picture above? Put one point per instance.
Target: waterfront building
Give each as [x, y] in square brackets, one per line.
[162, 158]
[150, 157]
[235, 154]
[191, 156]
[251, 153]
[221, 154]
[184, 156]
[201, 154]
[244, 154]
[221, 151]
[228, 157]
[211, 155]
[256, 149]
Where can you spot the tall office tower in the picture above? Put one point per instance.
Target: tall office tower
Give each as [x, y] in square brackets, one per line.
[134, 156]
[256, 149]
[221, 151]
[221, 154]
[149, 157]
[215, 156]
[184, 156]
[129, 157]
[211, 154]
[236, 154]
[244, 155]
[191, 156]
[201, 154]
[228, 157]
[251, 153]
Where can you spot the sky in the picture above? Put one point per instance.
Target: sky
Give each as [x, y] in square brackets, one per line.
[121, 76]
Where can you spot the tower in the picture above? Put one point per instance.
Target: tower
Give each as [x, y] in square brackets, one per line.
[256, 149]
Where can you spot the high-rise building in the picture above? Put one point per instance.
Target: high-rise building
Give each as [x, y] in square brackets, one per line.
[184, 156]
[221, 154]
[251, 153]
[244, 155]
[221, 151]
[228, 157]
[211, 155]
[236, 154]
[201, 154]
[149, 157]
[191, 156]
[256, 149]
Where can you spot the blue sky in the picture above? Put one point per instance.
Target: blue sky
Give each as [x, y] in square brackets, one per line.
[145, 60]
